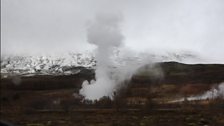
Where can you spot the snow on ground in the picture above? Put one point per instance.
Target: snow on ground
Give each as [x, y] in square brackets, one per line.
[63, 64]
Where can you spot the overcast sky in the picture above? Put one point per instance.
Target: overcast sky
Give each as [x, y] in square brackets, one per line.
[52, 26]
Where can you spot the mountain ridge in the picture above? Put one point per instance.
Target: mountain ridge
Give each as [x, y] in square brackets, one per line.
[70, 63]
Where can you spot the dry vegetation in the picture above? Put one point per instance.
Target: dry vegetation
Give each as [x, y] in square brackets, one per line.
[54, 100]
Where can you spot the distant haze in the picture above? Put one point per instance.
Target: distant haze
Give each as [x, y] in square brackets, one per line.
[55, 26]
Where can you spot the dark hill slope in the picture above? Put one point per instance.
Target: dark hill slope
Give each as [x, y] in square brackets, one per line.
[177, 73]
[167, 72]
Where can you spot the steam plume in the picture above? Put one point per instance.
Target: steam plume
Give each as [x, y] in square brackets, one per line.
[105, 33]
[211, 94]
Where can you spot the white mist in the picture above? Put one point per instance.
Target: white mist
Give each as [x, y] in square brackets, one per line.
[105, 33]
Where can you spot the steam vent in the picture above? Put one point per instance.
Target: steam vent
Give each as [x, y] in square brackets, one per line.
[112, 63]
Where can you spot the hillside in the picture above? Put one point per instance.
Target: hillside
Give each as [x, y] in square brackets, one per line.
[146, 99]
[174, 72]
[166, 72]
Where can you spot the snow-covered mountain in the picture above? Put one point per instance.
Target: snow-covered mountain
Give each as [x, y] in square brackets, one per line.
[47, 65]
[69, 63]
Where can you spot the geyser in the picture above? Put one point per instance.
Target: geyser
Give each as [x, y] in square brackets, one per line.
[105, 33]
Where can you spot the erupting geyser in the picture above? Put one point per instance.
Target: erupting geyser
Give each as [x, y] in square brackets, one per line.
[105, 33]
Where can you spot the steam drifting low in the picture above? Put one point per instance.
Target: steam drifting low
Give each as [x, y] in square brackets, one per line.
[216, 92]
